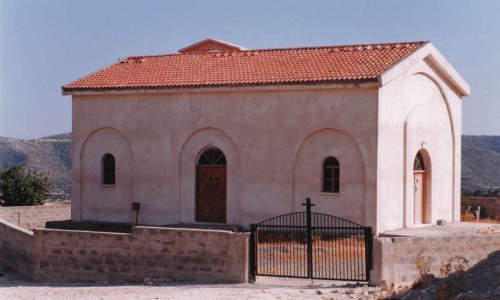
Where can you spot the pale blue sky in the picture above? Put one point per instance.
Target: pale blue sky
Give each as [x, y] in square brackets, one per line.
[45, 44]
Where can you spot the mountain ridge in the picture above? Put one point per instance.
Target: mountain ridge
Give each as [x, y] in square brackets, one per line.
[480, 162]
[49, 155]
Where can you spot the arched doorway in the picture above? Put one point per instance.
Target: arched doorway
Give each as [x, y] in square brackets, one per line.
[211, 171]
[419, 183]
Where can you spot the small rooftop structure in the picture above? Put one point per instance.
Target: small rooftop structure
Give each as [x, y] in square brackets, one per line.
[211, 45]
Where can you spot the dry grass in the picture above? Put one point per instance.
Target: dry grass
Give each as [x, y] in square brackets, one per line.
[332, 257]
[470, 217]
[467, 216]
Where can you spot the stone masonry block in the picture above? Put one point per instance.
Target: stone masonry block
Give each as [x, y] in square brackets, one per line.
[200, 260]
[205, 268]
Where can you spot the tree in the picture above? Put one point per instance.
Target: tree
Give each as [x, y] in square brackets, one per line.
[20, 187]
[478, 193]
[467, 193]
[492, 193]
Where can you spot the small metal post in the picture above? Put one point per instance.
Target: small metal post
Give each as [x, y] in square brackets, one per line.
[253, 253]
[308, 206]
[18, 219]
[368, 251]
[136, 206]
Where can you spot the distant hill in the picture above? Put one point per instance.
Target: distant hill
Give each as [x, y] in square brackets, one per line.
[52, 156]
[480, 162]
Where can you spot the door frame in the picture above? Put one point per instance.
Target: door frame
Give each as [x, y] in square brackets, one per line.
[421, 164]
[423, 201]
[198, 209]
[210, 165]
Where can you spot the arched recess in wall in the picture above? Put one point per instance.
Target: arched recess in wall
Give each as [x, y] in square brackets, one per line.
[443, 97]
[429, 125]
[445, 101]
[350, 202]
[455, 197]
[105, 202]
[194, 145]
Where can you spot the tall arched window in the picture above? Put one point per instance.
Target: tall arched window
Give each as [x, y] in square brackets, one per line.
[331, 175]
[418, 163]
[108, 166]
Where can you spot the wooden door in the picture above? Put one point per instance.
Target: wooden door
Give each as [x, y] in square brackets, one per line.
[211, 194]
[419, 197]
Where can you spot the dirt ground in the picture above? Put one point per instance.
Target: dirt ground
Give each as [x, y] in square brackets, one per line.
[482, 281]
[14, 287]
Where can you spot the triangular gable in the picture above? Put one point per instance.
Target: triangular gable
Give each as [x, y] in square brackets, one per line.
[211, 45]
[430, 54]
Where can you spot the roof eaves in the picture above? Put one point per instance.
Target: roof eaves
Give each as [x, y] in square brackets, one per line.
[120, 60]
[353, 83]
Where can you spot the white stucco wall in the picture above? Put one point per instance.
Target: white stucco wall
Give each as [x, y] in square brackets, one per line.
[274, 139]
[96, 207]
[352, 172]
[418, 110]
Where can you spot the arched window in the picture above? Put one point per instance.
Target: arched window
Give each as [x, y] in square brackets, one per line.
[212, 157]
[331, 175]
[418, 163]
[108, 169]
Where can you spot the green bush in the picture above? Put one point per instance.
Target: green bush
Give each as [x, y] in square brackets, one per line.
[20, 187]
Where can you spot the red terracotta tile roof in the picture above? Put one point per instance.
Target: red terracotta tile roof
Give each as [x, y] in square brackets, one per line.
[249, 67]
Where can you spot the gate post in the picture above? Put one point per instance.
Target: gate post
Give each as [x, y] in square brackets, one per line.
[308, 206]
[253, 253]
[368, 251]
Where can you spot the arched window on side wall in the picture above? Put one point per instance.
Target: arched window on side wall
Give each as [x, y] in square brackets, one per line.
[331, 175]
[418, 163]
[108, 166]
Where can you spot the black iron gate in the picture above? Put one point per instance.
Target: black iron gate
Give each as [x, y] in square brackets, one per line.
[311, 245]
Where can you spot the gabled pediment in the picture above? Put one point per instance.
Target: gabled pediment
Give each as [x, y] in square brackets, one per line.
[428, 53]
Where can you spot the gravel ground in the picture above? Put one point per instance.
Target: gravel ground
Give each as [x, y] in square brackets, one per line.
[13, 287]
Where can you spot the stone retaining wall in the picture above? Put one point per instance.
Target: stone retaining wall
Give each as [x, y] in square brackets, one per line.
[64, 255]
[490, 206]
[394, 258]
[16, 248]
[30, 217]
